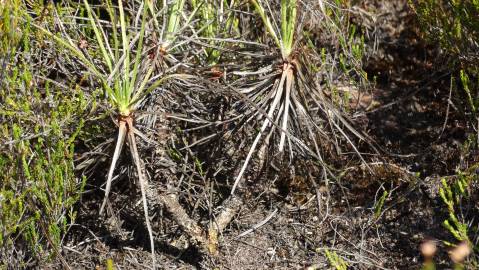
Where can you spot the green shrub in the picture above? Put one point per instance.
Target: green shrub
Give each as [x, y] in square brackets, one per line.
[457, 198]
[454, 24]
[39, 122]
[458, 195]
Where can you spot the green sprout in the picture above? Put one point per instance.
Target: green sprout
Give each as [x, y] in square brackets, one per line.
[173, 21]
[172, 14]
[215, 20]
[288, 21]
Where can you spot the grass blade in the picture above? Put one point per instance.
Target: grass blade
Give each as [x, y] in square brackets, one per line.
[138, 51]
[72, 48]
[174, 15]
[126, 49]
[269, 27]
[288, 21]
[113, 19]
[99, 37]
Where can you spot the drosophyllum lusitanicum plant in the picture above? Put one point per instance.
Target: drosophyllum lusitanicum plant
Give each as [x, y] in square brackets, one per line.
[126, 76]
[284, 95]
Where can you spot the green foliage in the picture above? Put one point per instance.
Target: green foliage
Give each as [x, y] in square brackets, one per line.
[123, 91]
[215, 20]
[335, 260]
[455, 196]
[378, 207]
[285, 38]
[109, 264]
[470, 88]
[459, 196]
[38, 127]
[451, 195]
[340, 46]
[9, 38]
[38, 187]
[174, 15]
[121, 81]
[454, 25]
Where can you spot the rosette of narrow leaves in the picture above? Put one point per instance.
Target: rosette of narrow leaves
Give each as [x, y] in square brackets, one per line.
[126, 77]
[283, 95]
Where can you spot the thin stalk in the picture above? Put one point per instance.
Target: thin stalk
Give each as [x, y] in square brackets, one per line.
[72, 48]
[289, 85]
[143, 186]
[126, 65]
[174, 15]
[266, 21]
[119, 144]
[149, 3]
[138, 53]
[99, 37]
[141, 92]
[113, 18]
